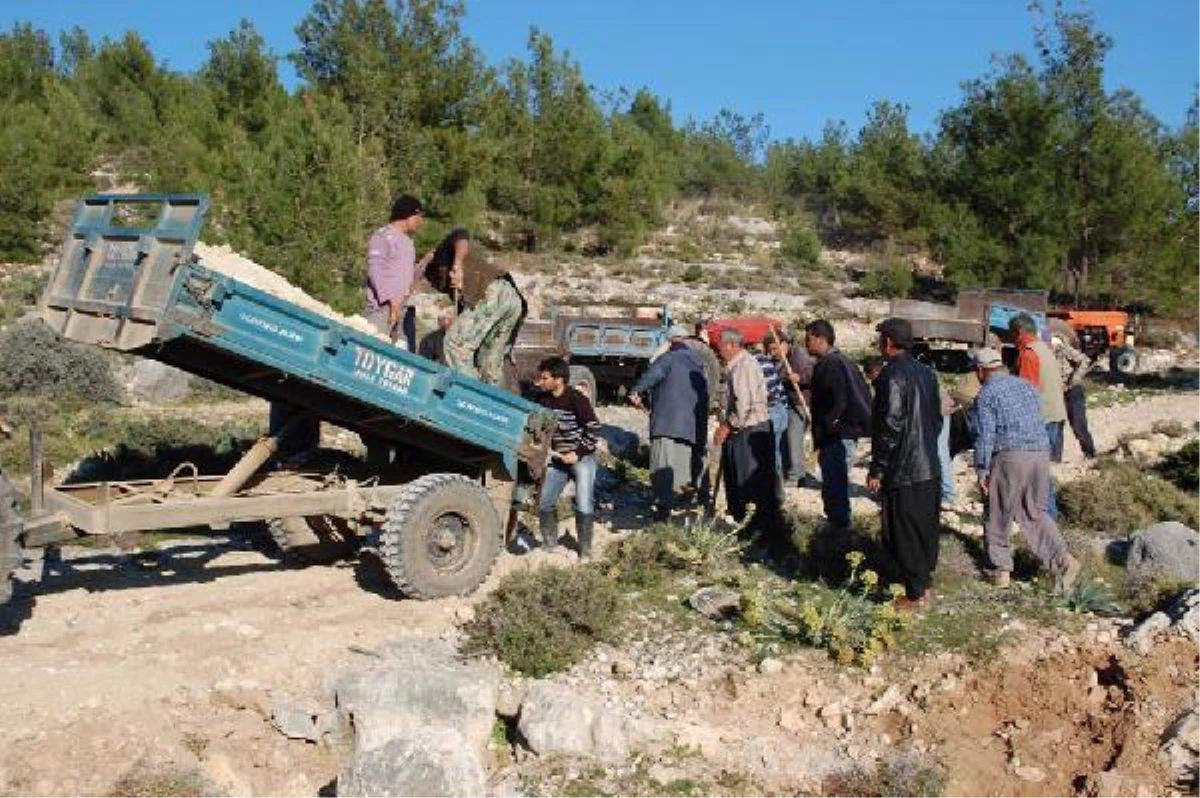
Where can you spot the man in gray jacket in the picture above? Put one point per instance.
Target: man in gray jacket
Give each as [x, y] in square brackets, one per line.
[678, 393]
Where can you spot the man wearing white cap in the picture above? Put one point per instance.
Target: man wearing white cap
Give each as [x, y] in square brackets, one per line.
[678, 392]
[1012, 461]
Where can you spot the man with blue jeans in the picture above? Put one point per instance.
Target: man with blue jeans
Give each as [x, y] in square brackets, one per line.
[572, 455]
[796, 368]
[949, 490]
[841, 413]
[777, 409]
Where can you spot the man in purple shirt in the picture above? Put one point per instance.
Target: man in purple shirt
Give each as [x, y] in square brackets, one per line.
[391, 271]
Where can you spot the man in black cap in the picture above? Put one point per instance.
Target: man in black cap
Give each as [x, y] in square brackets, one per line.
[904, 469]
[391, 272]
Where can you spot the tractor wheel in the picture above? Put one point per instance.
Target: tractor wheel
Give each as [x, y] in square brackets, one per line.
[10, 537]
[582, 380]
[441, 537]
[314, 539]
[1122, 360]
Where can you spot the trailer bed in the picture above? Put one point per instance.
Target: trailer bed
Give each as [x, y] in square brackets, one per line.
[139, 289]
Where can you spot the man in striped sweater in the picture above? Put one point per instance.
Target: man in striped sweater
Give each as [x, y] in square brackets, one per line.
[572, 455]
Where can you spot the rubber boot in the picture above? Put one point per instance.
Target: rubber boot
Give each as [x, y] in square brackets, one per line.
[548, 525]
[583, 531]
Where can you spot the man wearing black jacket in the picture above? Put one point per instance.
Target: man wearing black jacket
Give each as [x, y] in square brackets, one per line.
[905, 470]
[841, 414]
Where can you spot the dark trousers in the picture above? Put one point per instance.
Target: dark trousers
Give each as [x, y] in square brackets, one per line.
[1077, 417]
[750, 478]
[911, 533]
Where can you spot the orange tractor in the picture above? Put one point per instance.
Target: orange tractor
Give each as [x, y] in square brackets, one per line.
[1095, 332]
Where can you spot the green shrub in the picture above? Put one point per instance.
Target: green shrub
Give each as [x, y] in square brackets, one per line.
[152, 448]
[694, 273]
[1182, 467]
[33, 360]
[19, 290]
[645, 560]
[545, 620]
[895, 279]
[799, 242]
[1119, 497]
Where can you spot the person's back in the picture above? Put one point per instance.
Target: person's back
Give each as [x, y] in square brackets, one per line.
[1049, 386]
[678, 393]
[1009, 416]
[908, 409]
[835, 399]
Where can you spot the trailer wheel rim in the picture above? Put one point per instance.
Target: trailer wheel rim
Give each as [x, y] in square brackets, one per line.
[450, 542]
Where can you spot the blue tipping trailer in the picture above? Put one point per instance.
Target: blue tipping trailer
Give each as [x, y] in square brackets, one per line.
[456, 449]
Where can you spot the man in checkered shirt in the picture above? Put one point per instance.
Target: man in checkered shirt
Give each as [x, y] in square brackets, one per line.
[1012, 460]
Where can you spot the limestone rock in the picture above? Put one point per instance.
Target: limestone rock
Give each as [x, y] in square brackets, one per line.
[1181, 749]
[715, 602]
[158, 382]
[1169, 549]
[558, 720]
[1182, 617]
[425, 760]
[304, 720]
[418, 683]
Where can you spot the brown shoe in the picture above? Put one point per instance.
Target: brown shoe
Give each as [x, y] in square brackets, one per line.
[1069, 575]
[1000, 578]
[906, 604]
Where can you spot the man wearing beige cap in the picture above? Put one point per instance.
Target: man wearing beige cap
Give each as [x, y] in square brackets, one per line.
[1012, 461]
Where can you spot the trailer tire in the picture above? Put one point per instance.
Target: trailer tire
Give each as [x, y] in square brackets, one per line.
[441, 537]
[312, 540]
[11, 527]
[583, 380]
[1122, 360]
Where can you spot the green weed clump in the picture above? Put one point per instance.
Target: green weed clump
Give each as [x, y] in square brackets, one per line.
[545, 620]
[1119, 498]
[1182, 467]
[855, 622]
[645, 560]
[699, 547]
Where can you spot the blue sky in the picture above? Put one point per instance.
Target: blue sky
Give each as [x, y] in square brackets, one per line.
[798, 62]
